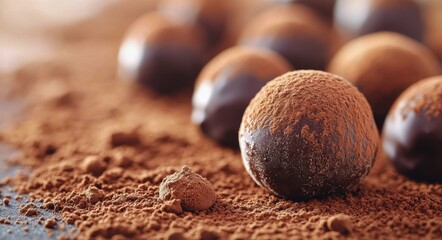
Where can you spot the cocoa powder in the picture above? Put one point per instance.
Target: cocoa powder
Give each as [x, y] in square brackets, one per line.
[386, 205]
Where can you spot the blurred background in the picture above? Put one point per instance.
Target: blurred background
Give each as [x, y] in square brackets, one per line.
[25, 25]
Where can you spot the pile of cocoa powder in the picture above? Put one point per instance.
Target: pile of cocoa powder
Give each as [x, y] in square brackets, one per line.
[98, 148]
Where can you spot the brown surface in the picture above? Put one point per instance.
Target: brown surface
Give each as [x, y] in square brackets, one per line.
[89, 106]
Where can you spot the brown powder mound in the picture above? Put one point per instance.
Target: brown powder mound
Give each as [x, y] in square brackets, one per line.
[428, 100]
[193, 191]
[386, 205]
[382, 65]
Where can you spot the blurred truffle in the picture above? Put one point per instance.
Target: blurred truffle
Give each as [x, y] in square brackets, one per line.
[324, 8]
[210, 15]
[227, 84]
[293, 31]
[357, 18]
[433, 17]
[412, 136]
[307, 134]
[161, 54]
[382, 65]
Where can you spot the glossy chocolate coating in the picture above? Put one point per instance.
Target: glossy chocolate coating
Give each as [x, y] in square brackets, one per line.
[325, 146]
[294, 32]
[226, 86]
[210, 15]
[362, 17]
[160, 54]
[412, 139]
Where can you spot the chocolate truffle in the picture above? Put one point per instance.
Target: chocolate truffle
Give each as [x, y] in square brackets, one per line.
[382, 65]
[308, 134]
[226, 86]
[194, 192]
[210, 15]
[293, 31]
[361, 17]
[161, 54]
[324, 8]
[412, 136]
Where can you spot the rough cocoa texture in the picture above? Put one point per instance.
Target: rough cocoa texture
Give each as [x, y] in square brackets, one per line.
[386, 205]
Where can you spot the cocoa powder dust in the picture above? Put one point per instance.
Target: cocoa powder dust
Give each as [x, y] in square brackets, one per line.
[98, 149]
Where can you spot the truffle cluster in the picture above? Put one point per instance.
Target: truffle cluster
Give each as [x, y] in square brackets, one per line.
[305, 133]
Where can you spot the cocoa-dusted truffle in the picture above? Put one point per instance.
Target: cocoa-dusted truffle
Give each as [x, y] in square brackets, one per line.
[293, 31]
[308, 134]
[412, 136]
[226, 86]
[361, 17]
[161, 54]
[194, 192]
[210, 15]
[382, 65]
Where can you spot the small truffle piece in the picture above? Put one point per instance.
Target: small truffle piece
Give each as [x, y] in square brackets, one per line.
[194, 191]
[161, 54]
[93, 194]
[340, 223]
[93, 165]
[308, 134]
[293, 31]
[50, 223]
[227, 84]
[209, 15]
[412, 135]
[357, 18]
[382, 65]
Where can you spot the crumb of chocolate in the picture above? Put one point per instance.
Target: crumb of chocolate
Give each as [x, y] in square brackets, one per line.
[29, 210]
[340, 223]
[6, 201]
[5, 221]
[195, 192]
[94, 165]
[93, 194]
[50, 223]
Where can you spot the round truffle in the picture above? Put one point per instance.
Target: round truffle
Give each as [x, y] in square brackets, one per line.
[357, 18]
[161, 54]
[412, 136]
[308, 134]
[382, 65]
[210, 15]
[193, 191]
[227, 84]
[293, 31]
[324, 8]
